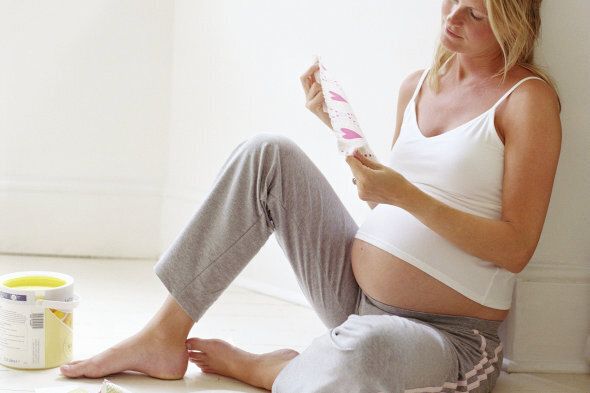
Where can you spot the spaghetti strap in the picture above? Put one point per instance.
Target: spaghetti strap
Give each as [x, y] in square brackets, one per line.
[420, 83]
[512, 89]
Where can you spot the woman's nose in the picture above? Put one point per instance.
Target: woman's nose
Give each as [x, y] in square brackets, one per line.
[454, 17]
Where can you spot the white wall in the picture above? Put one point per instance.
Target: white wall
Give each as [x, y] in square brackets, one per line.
[84, 103]
[565, 50]
[116, 117]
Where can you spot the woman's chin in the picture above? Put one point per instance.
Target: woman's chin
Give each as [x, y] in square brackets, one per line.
[449, 45]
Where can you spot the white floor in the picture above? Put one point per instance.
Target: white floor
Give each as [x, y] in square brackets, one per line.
[119, 297]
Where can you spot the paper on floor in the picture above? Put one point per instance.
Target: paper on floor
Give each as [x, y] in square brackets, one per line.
[349, 136]
[109, 387]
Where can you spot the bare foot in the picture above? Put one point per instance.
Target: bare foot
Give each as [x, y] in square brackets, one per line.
[144, 352]
[220, 357]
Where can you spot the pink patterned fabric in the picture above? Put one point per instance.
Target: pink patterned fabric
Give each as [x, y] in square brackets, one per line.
[348, 132]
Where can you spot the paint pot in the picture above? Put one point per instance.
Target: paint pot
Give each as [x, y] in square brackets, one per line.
[36, 310]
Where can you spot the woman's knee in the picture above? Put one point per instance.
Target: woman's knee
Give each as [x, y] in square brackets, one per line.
[263, 140]
[370, 340]
[365, 337]
[379, 352]
[349, 358]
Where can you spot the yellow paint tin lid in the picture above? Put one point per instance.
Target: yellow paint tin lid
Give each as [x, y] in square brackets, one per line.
[29, 286]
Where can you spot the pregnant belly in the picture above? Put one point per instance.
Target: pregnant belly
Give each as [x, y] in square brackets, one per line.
[393, 281]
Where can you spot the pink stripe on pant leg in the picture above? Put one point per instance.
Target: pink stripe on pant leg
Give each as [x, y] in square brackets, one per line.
[470, 373]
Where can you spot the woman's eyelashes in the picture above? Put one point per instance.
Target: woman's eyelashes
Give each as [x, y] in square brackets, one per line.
[475, 17]
[471, 13]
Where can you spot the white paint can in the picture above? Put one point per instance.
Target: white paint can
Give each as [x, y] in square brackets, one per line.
[36, 326]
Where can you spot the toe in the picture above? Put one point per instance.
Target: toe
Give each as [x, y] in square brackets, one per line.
[201, 364]
[195, 343]
[197, 355]
[73, 370]
[192, 343]
[74, 362]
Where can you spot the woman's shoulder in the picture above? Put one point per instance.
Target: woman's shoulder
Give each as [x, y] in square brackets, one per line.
[534, 91]
[409, 84]
[406, 91]
[411, 80]
[529, 100]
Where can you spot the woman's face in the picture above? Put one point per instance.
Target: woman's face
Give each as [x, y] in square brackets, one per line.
[468, 20]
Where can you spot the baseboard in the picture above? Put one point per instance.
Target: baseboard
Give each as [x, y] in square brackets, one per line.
[549, 367]
[75, 217]
[555, 272]
[549, 323]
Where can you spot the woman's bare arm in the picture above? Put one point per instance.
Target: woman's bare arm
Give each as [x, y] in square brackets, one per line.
[532, 130]
[405, 94]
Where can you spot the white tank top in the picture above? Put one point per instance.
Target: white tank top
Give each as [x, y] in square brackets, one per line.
[463, 168]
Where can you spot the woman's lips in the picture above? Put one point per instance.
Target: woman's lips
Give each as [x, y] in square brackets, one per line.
[452, 34]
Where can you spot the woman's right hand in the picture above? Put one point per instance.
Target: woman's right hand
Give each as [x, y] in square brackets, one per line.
[314, 95]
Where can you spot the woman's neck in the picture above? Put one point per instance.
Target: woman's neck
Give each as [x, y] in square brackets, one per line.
[466, 70]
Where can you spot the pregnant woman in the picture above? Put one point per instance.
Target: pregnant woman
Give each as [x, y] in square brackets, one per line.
[413, 298]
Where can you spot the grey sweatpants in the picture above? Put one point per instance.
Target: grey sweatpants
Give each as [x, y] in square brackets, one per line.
[269, 185]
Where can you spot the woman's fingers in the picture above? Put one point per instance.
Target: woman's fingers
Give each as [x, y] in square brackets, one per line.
[313, 91]
[307, 78]
[316, 101]
[355, 165]
[313, 68]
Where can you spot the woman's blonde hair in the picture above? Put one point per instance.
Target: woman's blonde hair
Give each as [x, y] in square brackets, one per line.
[516, 25]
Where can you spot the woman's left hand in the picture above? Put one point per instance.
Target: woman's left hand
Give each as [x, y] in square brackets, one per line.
[376, 182]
